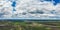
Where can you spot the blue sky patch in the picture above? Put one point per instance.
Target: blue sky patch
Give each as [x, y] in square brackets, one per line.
[56, 1]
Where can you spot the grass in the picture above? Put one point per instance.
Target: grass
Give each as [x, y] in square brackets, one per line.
[10, 25]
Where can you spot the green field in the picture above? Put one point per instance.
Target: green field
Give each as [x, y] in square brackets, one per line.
[18, 25]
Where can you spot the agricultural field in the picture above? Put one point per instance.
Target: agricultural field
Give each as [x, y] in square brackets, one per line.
[19, 25]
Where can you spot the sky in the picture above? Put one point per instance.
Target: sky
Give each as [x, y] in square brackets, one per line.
[34, 6]
[45, 6]
[56, 1]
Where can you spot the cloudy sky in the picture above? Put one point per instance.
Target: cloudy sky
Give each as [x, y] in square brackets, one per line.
[56, 1]
[47, 6]
[32, 5]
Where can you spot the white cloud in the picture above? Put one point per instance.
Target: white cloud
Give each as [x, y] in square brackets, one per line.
[32, 5]
[6, 9]
[26, 6]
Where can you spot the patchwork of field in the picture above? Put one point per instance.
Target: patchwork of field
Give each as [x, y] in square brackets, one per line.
[19, 25]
